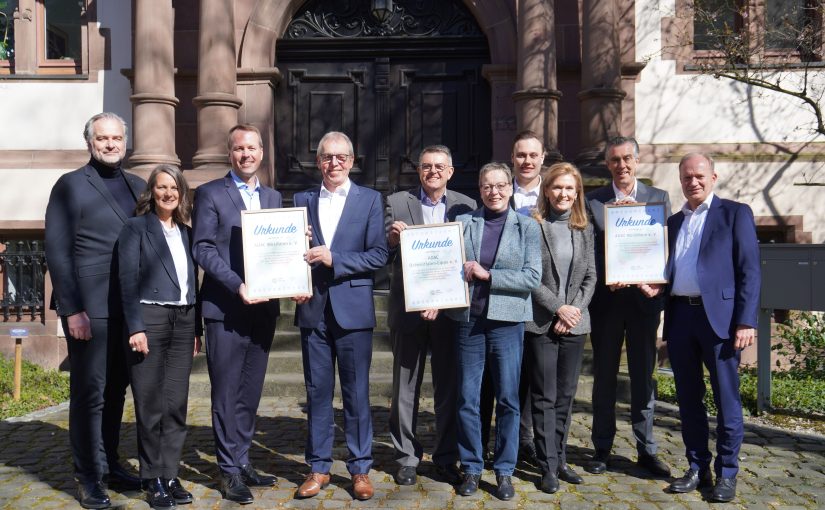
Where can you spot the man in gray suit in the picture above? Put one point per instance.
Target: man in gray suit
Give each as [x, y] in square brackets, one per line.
[622, 313]
[413, 334]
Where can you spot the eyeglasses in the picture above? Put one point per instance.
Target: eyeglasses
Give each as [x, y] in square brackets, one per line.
[438, 168]
[500, 187]
[327, 158]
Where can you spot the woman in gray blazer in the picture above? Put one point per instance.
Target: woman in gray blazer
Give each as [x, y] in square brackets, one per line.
[554, 339]
[503, 265]
[158, 283]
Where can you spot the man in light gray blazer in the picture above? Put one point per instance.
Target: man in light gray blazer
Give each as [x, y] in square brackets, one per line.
[413, 334]
[621, 313]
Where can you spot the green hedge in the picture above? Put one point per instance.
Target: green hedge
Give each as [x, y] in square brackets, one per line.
[40, 388]
[789, 394]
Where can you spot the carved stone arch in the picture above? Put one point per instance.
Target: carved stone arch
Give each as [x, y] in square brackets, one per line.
[270, 18]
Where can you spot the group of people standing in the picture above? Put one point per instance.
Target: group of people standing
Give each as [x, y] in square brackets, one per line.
[123, 262]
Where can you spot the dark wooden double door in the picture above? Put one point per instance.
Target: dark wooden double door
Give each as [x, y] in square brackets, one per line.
[392, 98]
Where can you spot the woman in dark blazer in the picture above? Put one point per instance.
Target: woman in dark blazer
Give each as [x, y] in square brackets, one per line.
[502, 253]
[158, 285]
[554, 339]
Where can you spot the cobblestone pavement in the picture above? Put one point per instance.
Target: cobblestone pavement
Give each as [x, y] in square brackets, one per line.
[780, 470]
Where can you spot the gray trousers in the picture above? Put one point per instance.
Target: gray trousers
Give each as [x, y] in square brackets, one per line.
[410, 348]
[622, 322]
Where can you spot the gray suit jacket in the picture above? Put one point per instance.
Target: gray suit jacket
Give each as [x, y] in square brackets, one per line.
[596, 201]
[406, 206]
[515, 272]
[546, 300]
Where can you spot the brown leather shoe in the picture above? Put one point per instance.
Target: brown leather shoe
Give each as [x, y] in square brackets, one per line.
[362, 487]
[313, 484]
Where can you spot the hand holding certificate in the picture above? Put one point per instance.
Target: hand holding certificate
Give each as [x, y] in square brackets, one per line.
[274, 243]
[635, 241]
[432, 260]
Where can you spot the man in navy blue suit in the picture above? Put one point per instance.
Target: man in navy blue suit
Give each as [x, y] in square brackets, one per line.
[239, 330]
[348, 245]
[710, 316]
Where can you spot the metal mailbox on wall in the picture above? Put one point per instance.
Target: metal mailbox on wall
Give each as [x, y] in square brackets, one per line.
[793, 278]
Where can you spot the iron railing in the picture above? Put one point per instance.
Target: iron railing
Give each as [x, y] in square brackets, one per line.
[22, 267]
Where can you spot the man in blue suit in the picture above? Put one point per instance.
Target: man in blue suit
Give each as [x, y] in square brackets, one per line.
[710, 316]
[348, 245]
[239, 330]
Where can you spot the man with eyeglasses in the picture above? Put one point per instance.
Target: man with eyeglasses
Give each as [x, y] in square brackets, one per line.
[414, 334]
[622, 314]
[336, 322]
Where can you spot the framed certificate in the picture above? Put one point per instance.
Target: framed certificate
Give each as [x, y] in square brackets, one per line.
[635, 243]
[432, 260]
[274, 243]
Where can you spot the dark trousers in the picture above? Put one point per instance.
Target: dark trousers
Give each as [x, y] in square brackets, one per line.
[322, 347]
[617, 320]
[692, 343]
[555, 363]
[410, 348]
[97, 387]
[237, 352]
[160, 386]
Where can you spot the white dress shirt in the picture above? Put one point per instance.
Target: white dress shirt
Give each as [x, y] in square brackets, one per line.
[686, 251]
[330, 208]
[525, 200]
[620, 195]
[251, 196]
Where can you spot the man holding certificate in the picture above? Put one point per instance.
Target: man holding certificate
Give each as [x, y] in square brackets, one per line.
[348, 245]
[413, 334]
[239, 329]
[621, 313]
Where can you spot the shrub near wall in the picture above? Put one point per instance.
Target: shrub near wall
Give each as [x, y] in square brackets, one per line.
[40, 388]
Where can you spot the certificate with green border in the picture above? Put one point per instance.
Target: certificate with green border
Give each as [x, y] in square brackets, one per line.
[432, 260]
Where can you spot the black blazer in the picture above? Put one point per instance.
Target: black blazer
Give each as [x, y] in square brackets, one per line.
[147, 271]
[83, 222]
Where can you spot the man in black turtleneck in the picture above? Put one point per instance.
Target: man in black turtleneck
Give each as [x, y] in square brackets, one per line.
[86, 211]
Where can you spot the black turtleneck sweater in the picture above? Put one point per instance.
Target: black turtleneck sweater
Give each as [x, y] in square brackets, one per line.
[493, 227]
[115, 181]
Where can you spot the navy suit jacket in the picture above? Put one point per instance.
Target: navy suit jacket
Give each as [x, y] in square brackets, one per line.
[83, 222]
[147, 271]
[358, 249]
[217, 247]
[728, 266]
[596, 200]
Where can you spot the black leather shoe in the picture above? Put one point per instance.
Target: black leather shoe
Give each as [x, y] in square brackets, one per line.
[448, 473]
[93, 495]
[599, 462]
[724, 491]
[178, 493]
[233, 489]
[156, 495]
[469, 485]
[654, 465]
[505, 491]
[406, 475]
[119, 478]
[252, 478]
[691, 481]
[549, 483]
[527, 453]
[567, 474]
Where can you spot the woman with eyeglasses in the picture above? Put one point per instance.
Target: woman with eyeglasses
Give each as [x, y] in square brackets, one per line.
[158, 281]
[554, 339]
[503, 266]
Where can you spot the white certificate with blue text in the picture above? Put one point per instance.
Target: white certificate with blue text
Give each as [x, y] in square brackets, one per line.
[635, 243]
[274, 244]
[432, 259]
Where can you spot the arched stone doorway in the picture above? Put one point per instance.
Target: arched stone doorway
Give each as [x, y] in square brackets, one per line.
[394, 86]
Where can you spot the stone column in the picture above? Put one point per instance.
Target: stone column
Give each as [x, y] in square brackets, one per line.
[537, 100]
[217, 101]
[601, 95]
[154, 101]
